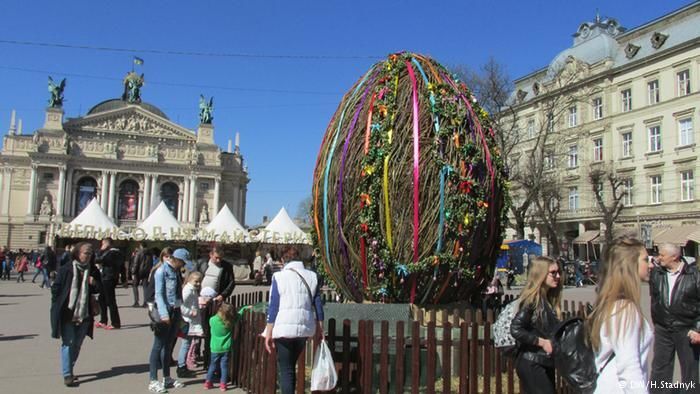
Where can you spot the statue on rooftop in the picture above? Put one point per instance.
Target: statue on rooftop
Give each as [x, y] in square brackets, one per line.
[132, 88]
[206, 114]
[56, 90]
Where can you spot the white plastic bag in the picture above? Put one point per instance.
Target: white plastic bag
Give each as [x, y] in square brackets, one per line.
[323, 374]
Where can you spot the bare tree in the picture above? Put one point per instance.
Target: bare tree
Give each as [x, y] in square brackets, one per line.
[610, 208]
[531, 158]
[304, 209]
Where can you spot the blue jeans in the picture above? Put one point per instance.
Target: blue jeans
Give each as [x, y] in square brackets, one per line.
[160, 352]
[184, 348]
[217, 358]
[72, 336]
[288, 351]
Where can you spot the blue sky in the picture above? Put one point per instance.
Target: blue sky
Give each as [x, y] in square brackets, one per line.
[279, 104]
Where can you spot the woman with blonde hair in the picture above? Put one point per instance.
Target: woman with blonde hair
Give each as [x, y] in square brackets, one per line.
[619, 333]
[538, 315]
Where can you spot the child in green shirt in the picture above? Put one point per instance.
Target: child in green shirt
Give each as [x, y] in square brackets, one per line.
[221, 326]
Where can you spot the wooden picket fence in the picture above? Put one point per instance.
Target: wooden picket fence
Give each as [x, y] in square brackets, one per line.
[416, 357]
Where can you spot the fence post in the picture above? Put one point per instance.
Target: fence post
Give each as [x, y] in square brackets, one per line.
[384, 359]
[474, 358]
[463, 358]
[446, 357]
[400, 362]
[345, 370]
[369, 355]
[432, 353]
[415, 357]
[487, 346]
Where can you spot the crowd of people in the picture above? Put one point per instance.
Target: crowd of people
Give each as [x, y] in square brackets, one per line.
[616, 329]
[187, 299]
[184, 299]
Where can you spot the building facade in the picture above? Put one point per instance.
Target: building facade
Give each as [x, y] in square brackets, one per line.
[128, 155]
[625, 102]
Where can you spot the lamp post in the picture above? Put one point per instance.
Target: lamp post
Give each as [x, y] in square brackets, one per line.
[639, 226]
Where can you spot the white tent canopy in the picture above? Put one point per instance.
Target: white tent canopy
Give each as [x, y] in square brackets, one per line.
[92, 222]
[160, 224]
[282, 230]
[224, 228]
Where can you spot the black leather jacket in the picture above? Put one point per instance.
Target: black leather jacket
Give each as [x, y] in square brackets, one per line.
[527, 327]
[111, 261]
[684, 311]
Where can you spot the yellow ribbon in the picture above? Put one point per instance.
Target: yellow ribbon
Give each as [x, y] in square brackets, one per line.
[386, 202]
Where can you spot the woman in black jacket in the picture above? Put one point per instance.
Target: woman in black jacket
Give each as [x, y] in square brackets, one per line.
[72, 312]
[539, 313]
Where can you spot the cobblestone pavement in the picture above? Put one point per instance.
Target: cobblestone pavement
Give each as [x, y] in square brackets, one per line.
[114, 362]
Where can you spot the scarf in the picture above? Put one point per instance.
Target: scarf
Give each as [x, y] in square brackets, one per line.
[79, 292]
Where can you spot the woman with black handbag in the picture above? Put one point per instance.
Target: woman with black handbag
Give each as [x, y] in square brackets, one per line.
[532, 326]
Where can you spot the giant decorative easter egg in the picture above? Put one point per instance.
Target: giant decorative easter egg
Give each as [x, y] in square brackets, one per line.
[409, 190]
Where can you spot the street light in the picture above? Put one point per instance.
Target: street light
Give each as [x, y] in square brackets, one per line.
[639, 226]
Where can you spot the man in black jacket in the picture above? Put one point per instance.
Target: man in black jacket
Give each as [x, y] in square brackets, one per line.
[140, 264]
[218, 275]
[675, 311]
[109, 260]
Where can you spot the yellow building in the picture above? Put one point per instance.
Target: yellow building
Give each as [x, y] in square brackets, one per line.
[627, 102]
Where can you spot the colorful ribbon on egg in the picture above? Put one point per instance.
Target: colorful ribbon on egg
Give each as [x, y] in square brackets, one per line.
[416, 171]
[327, 171]
[341, 177]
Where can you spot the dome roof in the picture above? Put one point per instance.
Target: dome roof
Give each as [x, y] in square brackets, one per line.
[591, 51]
[112, 104]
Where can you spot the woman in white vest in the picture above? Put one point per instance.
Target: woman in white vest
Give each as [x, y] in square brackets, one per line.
[295, 314]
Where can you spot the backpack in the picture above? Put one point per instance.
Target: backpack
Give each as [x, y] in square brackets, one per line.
[574, 359]
[502, 338]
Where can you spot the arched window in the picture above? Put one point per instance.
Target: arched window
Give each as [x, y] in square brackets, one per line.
[169, 195]
[85, 192]
[128, 200]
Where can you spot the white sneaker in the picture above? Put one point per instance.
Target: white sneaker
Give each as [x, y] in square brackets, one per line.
[170, 382]
[156, 387]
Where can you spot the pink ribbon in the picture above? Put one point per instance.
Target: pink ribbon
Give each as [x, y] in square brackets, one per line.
[416, 170]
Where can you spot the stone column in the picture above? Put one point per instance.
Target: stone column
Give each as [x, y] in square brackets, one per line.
[112, 182]
[155, 193]
[6, 195]
[139, 214]
[241, 203]
[179, 206]
[103, 191]
[146, 196]
[193, 199]
[217, 181]
[61, 189]
[185, 199]
[68, 195]
[31, 203]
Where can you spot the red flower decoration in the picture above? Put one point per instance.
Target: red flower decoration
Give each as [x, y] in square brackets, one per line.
[364, 227]
[465, 187]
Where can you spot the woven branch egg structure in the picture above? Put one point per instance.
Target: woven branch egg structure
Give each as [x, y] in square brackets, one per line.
[409, 191]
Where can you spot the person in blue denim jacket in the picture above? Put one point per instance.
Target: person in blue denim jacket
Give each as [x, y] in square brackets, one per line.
[168, 298]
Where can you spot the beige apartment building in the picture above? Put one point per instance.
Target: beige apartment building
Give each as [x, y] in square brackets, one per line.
[627, 102]
[126, 153]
